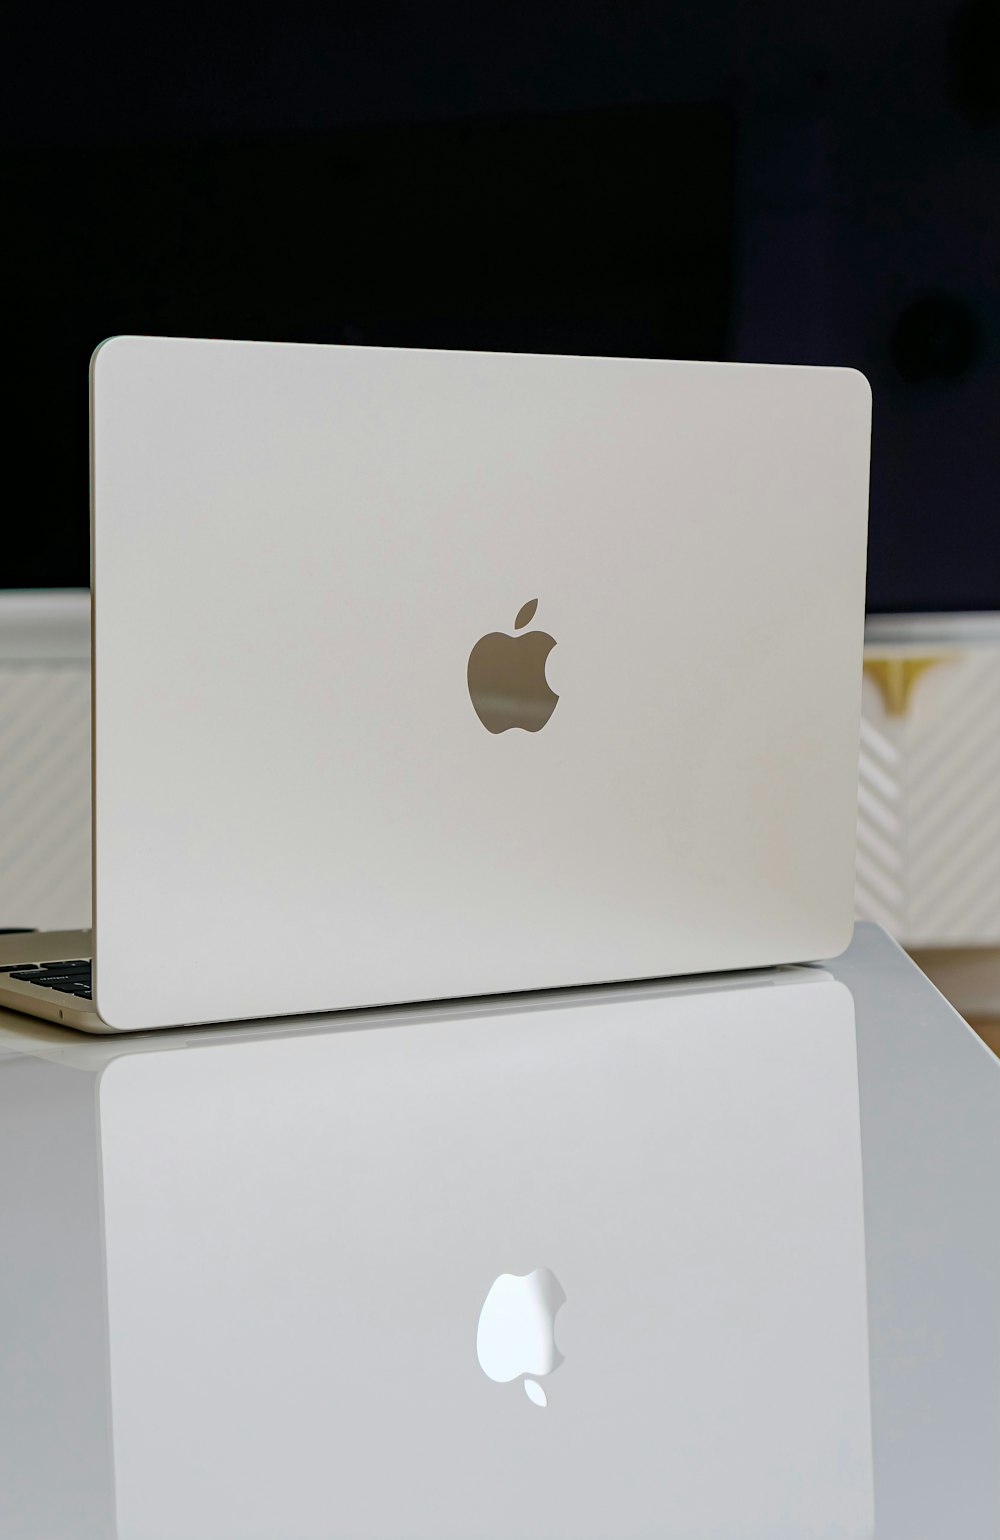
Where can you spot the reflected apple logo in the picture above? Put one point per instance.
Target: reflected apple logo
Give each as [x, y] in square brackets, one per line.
[507, 680]
[516, 1336]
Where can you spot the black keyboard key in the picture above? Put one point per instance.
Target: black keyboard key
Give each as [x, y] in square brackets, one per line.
[65, 986]
[68, 967]
[17, 967]
[26, 973]
[48, 980]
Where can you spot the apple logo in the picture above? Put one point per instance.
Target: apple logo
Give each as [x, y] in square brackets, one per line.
[516, 1335]
[507, 677]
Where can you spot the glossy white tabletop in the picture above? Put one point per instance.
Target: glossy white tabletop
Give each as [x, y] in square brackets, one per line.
[712, 1258]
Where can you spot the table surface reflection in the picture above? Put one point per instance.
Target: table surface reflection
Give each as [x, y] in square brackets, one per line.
[701, 1258]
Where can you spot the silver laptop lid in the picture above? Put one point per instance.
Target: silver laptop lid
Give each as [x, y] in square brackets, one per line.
[434, 674]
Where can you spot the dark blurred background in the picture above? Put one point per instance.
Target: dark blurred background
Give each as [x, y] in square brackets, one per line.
[777, 182]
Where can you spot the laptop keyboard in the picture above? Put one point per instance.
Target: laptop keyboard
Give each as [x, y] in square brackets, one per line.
[69, 978]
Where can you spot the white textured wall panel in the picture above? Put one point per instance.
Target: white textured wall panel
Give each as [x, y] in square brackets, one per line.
[929, 792]
[881, 875]
[44, 760]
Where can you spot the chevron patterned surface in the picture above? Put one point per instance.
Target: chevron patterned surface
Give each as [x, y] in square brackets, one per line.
[929, 806]
[880, 892]
[45, 796]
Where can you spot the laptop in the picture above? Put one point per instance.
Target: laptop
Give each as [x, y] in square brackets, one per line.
[423, 675]
[560, 1267]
